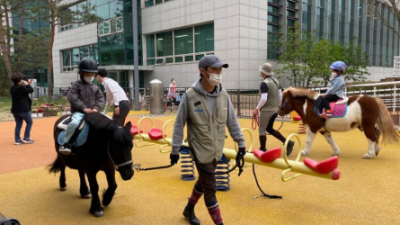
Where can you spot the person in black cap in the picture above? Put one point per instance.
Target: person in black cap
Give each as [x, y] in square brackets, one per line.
[115, 96]
[207, 110]
[84, 97]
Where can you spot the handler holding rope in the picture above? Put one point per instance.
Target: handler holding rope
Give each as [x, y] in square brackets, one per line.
[271, 96]
[207, 109]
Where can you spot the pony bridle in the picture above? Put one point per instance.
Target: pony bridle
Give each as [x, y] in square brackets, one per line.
[283, 106]
[117, 166]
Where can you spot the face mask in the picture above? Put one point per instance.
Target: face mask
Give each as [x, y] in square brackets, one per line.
[215, 79]
[88, 80]
[333, 74]
[173, 82]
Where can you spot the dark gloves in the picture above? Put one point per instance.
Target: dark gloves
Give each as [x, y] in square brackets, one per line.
[240, 159]
[174, 158]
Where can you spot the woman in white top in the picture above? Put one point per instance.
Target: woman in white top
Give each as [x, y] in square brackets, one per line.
[172, 91]
[115, 95]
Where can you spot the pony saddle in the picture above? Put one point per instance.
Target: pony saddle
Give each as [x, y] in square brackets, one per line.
[63, 125]
[338, 108]
[80, 136]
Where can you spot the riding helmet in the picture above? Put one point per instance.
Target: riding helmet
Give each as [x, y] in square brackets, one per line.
[338, 65]
[88, 65]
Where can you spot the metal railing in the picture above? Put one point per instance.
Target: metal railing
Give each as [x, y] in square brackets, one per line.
[245, 100]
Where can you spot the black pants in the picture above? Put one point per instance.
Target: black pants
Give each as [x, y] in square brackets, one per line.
[325, 102]
[124, 108]
[207, 181]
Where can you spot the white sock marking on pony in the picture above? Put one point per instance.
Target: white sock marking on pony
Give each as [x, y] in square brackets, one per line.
[309, 140]
[328, 137]
[371, 150]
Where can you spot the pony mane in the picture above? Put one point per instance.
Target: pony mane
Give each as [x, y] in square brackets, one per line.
[301, 92]
[102, 123]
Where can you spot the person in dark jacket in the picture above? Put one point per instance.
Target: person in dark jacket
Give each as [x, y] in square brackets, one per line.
[21, 107]
[84, 97]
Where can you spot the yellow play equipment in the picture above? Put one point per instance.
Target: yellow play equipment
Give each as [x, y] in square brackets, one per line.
[272, 158]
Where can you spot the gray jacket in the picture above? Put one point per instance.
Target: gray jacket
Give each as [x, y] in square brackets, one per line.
[337, 86]
[85, 96]
[183, 116]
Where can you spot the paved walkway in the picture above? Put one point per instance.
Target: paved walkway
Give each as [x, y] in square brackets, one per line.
[367, 193]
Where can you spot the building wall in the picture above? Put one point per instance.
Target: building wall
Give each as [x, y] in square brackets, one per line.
[81, 36]
[240, 33]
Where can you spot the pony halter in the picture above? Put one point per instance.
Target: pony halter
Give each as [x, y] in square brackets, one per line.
[117, 166]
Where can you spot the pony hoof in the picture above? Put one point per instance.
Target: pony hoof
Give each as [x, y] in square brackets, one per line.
[87, 196]
[63, 188]
[303, 153]
[367, 156]
[98, 213]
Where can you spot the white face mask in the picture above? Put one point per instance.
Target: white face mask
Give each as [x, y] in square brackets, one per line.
[173, 82]
[333, 74]
[215, 79]
[88, 80]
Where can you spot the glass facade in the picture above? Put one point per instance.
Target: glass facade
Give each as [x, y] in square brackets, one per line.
[72, 57]
[343, 21]
[178, 46]
[274, 26]
[148, 3]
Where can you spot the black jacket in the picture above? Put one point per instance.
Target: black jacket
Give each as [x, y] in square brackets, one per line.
[21, 103]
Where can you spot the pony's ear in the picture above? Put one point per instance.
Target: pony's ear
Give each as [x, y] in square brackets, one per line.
[128, 125]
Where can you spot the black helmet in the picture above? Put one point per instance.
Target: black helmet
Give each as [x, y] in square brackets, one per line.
[88, 65]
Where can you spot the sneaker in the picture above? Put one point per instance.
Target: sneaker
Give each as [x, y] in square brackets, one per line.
[27, 141]
[324, 115]
[289, 148]
[19, 142]
[65, 149]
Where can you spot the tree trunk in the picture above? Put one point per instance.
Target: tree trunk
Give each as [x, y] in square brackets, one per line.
[3, 46]
[21, 30]
[50, 48]
[8, 31]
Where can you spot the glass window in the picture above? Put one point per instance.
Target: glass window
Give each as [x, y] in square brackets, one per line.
[291, 4]
[273, 19]
[75, 56]
[204, 38]
[150, 46]
[273, 55]
[103, 11]
[113, 26]
[101, 2]
[148, 3]
[66, 54]
[273, 9]
[164, 44]
[93, 52]
[183, 41]
[83, 52]
[291, 13]
[188, 58]
[273, 37]
[290, 23]
[273, 28]
[120, 25]
[115, 9]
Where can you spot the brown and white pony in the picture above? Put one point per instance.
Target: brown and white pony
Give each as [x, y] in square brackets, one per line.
[367, 113]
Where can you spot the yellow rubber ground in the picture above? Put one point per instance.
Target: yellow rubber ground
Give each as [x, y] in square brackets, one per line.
[367, 193]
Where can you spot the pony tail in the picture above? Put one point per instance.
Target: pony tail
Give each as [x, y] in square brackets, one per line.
[55, 167]
[385, 124]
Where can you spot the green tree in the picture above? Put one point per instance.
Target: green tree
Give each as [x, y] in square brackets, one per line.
[306, 60]
[291, 57]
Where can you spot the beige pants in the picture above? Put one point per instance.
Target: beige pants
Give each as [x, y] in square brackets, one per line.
[265, 116]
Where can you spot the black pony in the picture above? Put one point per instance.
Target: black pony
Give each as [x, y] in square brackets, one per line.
[108, 148]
